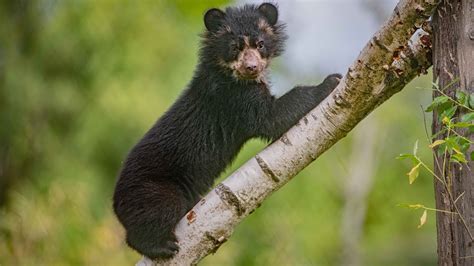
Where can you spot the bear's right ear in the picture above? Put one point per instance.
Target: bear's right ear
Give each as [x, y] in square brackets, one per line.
[270, 12]
[213, 19]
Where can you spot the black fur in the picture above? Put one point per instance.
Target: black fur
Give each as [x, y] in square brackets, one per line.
[177, 160]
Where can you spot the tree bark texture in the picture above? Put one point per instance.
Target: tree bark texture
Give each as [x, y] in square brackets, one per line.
[453, 59]
[385, 65]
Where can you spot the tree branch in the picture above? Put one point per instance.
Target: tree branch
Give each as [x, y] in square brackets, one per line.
[386, 64]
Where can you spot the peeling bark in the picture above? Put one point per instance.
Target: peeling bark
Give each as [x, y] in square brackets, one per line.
[387, 63]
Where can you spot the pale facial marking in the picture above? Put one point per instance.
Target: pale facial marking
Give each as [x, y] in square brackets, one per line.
[249, 64]
[246, 41]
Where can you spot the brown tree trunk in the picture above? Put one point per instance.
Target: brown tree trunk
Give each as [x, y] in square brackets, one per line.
[453, 59]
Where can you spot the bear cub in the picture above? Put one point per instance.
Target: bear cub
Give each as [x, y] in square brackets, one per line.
[227, 102]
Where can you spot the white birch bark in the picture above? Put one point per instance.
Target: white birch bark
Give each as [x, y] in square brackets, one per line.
[385, 65]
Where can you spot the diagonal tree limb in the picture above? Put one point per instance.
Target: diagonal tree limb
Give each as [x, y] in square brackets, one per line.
[386, 64]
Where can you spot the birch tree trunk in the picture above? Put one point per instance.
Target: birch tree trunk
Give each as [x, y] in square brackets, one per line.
[385, 65]
[453, 58]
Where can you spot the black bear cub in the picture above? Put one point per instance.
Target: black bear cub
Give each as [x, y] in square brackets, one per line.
[227, 102]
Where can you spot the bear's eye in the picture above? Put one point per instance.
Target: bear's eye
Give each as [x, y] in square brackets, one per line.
[260, 45]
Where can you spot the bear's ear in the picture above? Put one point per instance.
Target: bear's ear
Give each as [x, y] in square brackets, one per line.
[270, 12]
[213, 19]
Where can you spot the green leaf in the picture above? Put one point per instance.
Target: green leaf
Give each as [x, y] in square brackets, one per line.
[449, 112]
[462, 97]
[461, 140]
[472, 156]
[423, 219]
[462, 124]
[453, 143]
[436, 143]
[467, 117]
[445, 106]
[465, 146]
[437, 102]
[413, 174]
[457, 151]
[464, 143]
[471, 100]
[459, 158]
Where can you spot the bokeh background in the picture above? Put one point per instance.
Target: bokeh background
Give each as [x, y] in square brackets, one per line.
[82, 80]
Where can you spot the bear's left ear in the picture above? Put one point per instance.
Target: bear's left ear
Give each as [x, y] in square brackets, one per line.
[270, 12]
[213, 19]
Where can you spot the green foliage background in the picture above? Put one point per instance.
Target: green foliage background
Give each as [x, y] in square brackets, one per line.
[80, 83]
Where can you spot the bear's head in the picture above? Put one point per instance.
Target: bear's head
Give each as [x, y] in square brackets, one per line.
[243, 40]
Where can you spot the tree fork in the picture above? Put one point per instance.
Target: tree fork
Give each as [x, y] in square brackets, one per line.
[385, 65]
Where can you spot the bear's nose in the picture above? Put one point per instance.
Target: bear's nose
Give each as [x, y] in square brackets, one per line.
[251, 67]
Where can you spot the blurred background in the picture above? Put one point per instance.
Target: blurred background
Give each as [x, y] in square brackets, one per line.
[81, 81]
